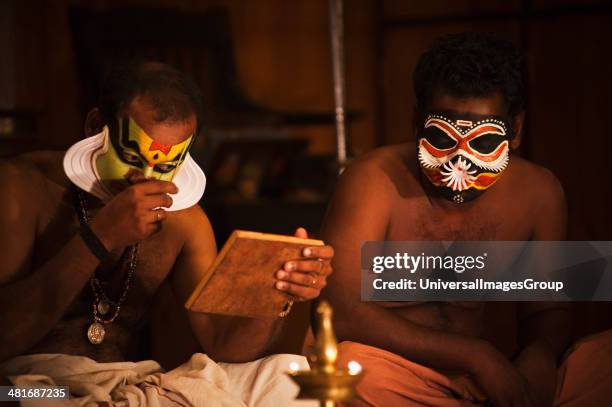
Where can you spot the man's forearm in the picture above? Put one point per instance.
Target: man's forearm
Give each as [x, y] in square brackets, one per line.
[537, 364]
[30, 307]
[543, 336]
[545, 324]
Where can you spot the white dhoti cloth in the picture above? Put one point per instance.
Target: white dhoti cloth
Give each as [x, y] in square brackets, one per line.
[199, 382]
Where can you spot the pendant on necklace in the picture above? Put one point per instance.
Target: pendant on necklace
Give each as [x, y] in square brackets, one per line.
[457, 198]
[95, 333]
[103, 307]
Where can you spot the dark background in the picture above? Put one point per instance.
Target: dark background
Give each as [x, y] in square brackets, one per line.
[281, 57]
[265, 68]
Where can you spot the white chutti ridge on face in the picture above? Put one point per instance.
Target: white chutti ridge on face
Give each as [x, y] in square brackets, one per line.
[458, 176]
[429, 161]
[78, 166]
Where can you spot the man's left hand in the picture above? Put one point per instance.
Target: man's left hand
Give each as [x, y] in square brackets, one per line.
[305, 278]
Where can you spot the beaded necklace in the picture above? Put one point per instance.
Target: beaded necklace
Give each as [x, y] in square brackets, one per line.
[102, 304]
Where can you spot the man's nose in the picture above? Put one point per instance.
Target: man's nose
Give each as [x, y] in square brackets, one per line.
[148, 170]
[136, 176]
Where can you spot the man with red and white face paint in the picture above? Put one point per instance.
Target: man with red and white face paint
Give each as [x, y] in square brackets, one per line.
[459, 180]
[462, 156]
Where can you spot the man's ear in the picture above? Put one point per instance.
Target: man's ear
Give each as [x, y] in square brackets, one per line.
[93, 122]
[519, 119]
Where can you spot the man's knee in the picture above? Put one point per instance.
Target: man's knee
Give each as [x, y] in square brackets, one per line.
[592, 349]
[586, 372]
[389, 379]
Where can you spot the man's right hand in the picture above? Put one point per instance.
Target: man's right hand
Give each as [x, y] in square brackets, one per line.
[500, 380]
[134, 214]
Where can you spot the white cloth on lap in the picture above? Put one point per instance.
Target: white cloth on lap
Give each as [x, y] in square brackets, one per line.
[199, 382]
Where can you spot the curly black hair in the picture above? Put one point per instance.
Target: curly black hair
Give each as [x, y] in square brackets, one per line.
[172, 94]
[471, 64]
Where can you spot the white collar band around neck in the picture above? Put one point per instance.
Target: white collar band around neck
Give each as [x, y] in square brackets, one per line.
[80, 169]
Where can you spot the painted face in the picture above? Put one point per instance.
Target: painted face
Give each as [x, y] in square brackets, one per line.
[131, 150]
[462, 156]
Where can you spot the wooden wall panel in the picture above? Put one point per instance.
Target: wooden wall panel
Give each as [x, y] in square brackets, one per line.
[40, 72]
[418, 9]
[570, 104]
[283, 56]
[8, 46]
[550, 4]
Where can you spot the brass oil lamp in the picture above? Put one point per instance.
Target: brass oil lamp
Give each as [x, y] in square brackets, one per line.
[325, 382]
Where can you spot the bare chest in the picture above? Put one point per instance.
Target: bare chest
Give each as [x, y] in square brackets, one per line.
[154, 257]
[489, 219]
[154, 260]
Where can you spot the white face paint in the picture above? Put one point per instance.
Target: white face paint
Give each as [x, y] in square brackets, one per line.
[458, 175]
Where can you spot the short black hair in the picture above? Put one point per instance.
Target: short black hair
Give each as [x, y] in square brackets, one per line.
[471, 64]
[171, 93]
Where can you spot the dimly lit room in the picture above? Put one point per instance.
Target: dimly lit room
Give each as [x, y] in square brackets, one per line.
[296, 133]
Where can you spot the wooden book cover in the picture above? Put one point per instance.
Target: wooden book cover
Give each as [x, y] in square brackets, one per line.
[241, 280]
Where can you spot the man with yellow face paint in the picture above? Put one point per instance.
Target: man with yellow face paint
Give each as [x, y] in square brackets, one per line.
[129, 148]
[89, 236]
[108, 162]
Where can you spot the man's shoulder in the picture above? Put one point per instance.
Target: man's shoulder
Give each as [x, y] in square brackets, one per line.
[21, 183]
[20, 174]
[382, 157]
[193, 230]
[193, 212]
[33, 167]
[192, 221]
[541, 198]
[385, 172]
[26, 180]
[17, 166]
[540, 180]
